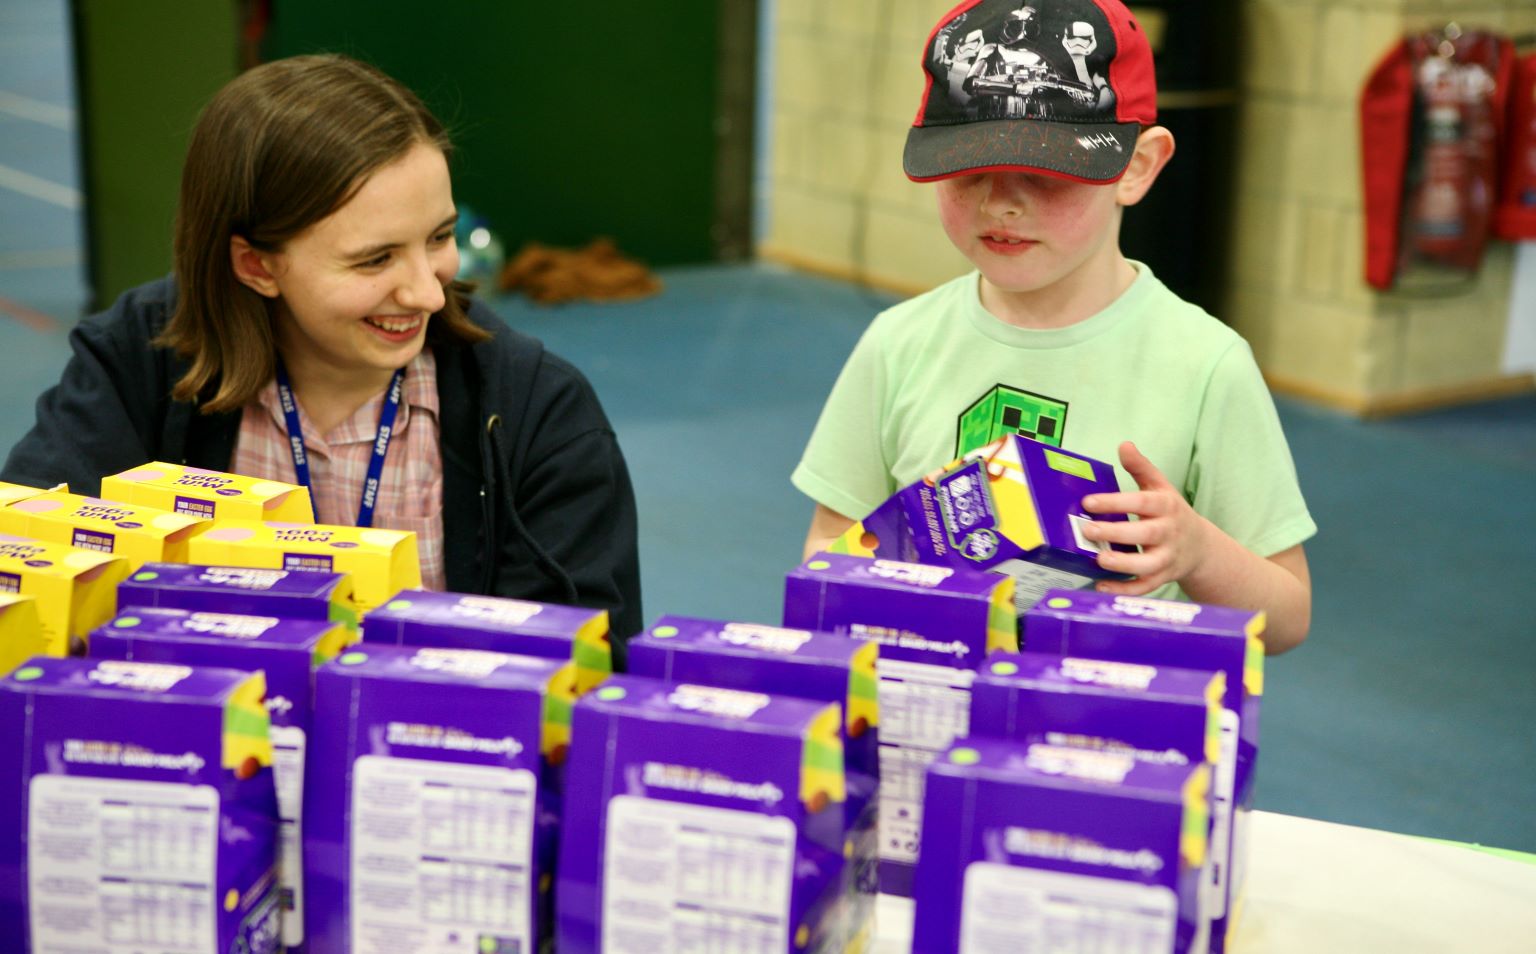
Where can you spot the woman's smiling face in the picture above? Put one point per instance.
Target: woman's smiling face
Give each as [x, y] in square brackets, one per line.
[356, 289]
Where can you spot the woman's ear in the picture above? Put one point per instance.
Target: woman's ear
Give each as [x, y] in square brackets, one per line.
[1154, 147]
[252, 267]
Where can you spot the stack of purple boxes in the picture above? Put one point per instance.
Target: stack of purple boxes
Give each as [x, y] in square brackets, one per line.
[286, 650]
[934, 625]
[1118, 756]
[472, 776]
[823, 667]
[433, 802]
[1092, 791]
[142, 812]
[701, 818]
[190, 623]
[411, 784]
[1168, 634]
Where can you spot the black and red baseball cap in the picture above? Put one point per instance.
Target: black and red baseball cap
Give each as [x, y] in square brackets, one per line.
[1060, 87]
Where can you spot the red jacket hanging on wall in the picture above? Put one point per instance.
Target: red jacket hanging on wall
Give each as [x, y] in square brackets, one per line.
[1431, 118]
[1515, 217]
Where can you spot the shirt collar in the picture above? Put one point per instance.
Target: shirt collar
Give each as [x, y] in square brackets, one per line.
[417, 393]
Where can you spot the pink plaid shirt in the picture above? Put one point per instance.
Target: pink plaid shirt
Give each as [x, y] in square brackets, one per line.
[411, 490]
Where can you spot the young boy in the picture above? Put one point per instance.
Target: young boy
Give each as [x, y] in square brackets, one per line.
[1036, 138]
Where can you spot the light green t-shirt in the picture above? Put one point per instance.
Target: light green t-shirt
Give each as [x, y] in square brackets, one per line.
[938, 375]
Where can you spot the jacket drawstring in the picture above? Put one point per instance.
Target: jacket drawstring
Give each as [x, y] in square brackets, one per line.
[498, 482]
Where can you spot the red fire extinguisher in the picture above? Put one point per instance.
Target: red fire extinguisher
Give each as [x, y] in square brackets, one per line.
[1432, 115]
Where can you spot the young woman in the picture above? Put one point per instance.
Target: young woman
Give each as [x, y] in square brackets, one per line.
[314, 294]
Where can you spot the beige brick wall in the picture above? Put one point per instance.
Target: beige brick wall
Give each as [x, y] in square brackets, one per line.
[847, 82]
[846, 86]
[1299, 292]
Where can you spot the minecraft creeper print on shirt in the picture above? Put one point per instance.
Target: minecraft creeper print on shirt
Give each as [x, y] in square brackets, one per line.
[1004, 410]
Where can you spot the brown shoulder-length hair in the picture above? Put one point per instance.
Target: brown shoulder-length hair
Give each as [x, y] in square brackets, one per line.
[276, 150]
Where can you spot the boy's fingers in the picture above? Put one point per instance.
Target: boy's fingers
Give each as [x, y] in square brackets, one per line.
[1134, 532]
[1126, 587]
[1140, 502]
[1148, 565]
[1142, 470]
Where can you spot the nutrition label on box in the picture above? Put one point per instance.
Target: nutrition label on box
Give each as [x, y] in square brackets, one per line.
[441, 857]
[690, 879]
[923, 708]
[116, 865]
[1031, 580]
[1006, 910]
[1221, 829]
[901, 800]
[288, 773]
[923, 705]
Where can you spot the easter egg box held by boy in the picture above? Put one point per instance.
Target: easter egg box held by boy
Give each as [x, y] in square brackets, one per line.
[1014, 506]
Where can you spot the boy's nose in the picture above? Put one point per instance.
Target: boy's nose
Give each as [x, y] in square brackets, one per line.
[1005, 195]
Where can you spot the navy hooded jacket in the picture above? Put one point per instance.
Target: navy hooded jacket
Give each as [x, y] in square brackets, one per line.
[537, 501]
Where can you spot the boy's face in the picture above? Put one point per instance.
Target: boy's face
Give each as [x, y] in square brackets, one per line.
[1026, 232]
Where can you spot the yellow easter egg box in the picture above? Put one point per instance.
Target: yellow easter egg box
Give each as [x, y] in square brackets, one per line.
[75, 590]
[209, 494]
[142, 534]
[10, 493]
[381, 562]
[21, 632]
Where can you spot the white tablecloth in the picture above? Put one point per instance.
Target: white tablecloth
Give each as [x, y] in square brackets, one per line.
[1315, 887]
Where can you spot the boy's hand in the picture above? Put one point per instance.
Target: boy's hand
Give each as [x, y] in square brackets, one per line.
[1171, 535]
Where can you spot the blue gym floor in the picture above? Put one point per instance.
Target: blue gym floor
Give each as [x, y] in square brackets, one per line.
[1411, 709]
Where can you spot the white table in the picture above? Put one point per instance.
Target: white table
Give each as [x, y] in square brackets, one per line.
[1315, 887]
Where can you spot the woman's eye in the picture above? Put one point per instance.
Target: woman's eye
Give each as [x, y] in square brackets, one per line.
[442, 237]
[376, 262]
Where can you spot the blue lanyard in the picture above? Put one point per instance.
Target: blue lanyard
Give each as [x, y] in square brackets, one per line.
[380, 442]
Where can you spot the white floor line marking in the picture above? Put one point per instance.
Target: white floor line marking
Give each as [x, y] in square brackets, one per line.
[30, 185]
[24, 107]
[39, 258]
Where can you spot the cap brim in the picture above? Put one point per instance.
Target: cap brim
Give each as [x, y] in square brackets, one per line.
[1088, 152]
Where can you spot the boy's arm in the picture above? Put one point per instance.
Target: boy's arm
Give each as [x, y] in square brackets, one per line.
[826, 525]
[1180, 546]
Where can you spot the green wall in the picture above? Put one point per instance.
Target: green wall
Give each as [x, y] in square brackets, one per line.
[570, 120]
[145, 69]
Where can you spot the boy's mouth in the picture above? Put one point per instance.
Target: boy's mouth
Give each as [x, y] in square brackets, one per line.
[1004, 244]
